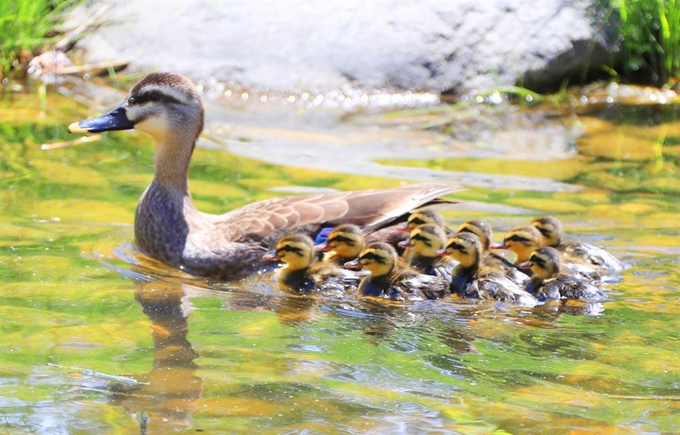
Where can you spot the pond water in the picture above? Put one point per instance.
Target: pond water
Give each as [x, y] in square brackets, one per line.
[191, 355]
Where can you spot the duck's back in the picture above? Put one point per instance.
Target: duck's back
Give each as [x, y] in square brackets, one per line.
[572, 287]
[591, 255]
[509, 270]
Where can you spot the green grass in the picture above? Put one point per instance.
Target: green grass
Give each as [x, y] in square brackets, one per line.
[650, 31]
[26, 26]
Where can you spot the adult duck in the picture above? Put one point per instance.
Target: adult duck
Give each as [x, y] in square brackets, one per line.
[229, 246]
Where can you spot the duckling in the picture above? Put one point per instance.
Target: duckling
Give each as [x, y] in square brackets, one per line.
[230, 246]
[552, 231]
[344, 243]
[495, 261]
[549, 282]
[523, 240]
[425, 240]
[388, 279]
[421, 217]
[472, 279]
[301, 273]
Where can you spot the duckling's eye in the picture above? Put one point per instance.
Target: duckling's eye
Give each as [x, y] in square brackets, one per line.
[518, 239]
[422, 238]
[457, 247]
[372, 256]
[341, 239]
[288, 248]
[545, 231]
[416, 221]
[154, 96]
[537, 261]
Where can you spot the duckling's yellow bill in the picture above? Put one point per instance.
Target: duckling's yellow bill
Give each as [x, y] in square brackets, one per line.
[114, 120]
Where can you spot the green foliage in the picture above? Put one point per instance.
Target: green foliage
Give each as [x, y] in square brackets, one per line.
[651, 38]
[25, 25]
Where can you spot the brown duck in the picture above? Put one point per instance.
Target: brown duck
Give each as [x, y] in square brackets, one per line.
[229, 246]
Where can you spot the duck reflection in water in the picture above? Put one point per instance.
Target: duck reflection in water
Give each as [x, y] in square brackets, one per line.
[170, 391]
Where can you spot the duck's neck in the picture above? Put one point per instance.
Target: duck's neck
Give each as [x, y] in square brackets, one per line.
[161, 224]
[172, 162]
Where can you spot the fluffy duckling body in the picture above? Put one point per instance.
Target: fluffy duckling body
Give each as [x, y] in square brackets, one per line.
[472, 279]
[344, 243]
[553, 234]
[301, 273]
[523, 240]
[388, 279]
[423, 244]
[489, 258]
[230, 246]
[549, 282]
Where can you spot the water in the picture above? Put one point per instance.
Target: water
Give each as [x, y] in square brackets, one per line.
[247, 358]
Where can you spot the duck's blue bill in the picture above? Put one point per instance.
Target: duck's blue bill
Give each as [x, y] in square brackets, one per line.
[114, 120]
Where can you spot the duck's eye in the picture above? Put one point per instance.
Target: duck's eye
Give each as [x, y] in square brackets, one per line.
[537, 261]
[516, 238]
[421, 238]
[154, 96]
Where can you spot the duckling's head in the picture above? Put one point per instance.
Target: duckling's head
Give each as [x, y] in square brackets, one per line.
[544, 263]
[421, 217]
[295, 250]
[466, 248]
[551, 230]
[346, 241]
[379, 258]
[159, 104]
[479, 228]
[522, 240]
[425, 240]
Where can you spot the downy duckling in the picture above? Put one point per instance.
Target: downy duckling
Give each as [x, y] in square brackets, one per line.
[472, 279]
[423, 244]
[489, 258]
[301, 273]
[388, 279]
[344, 243]
[552, 231]
[523, 240]
[170, 228]
[549, 282]
[421, 217]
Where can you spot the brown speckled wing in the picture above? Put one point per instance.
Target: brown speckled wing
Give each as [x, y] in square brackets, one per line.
[371, 209]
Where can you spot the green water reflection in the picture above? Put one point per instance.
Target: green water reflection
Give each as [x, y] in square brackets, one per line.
[248, 358]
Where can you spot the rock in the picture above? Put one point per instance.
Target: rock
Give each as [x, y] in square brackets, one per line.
[455, 45]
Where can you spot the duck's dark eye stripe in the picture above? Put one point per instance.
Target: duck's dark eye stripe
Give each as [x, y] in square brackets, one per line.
[516, 238]
[544, 231]
[416, 221]
[373, 256]
[466, 230]
[457, 247]
[288, 248]
[537, 260]
[152, 96]
[420, 237]
[342, 239]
